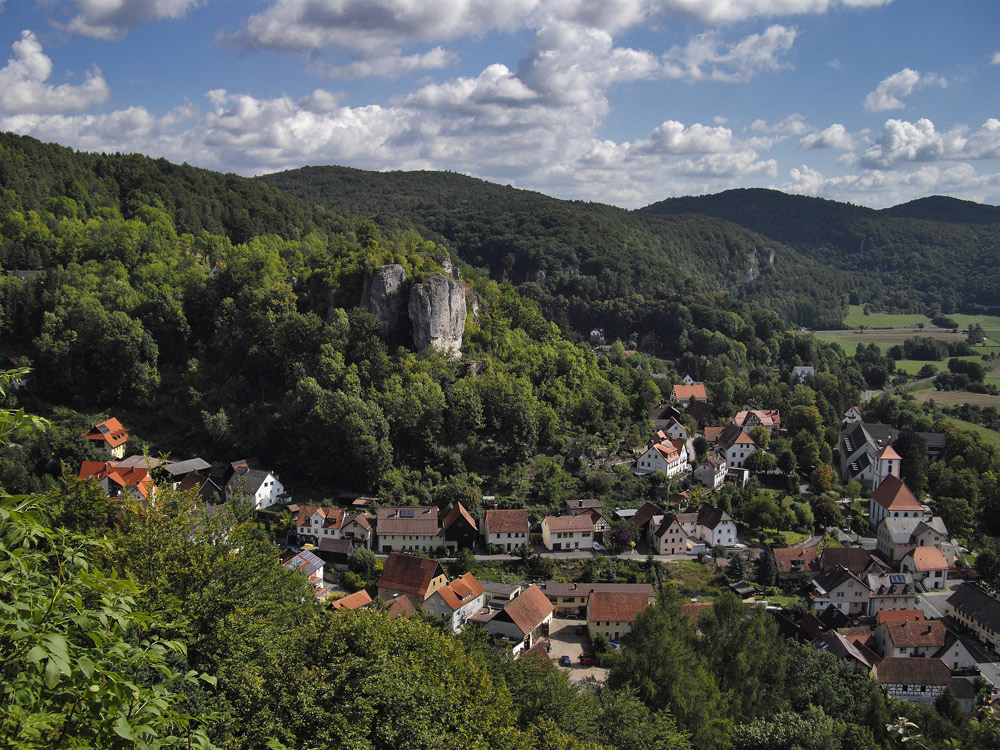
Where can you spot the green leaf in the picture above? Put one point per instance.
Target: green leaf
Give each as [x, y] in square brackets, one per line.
[51, 673]
[122, 729]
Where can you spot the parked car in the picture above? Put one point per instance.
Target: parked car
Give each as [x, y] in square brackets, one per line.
[588, 659]
[565, 661]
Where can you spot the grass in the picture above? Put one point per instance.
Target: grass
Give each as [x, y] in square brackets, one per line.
[790, 537]
[856, 317]
[693, 579]
[988, 436]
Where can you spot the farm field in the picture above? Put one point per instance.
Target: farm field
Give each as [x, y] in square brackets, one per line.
[856, 317]
[945, 398]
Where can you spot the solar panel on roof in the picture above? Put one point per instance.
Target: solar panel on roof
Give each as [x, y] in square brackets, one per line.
[897, 578]
[104, 429]
[406, 513]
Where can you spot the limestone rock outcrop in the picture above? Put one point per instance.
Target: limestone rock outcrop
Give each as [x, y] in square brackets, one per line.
[437, 313]
[382, 296]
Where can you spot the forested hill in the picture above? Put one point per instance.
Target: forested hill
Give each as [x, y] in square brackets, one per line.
[587, 264]
[935, 251]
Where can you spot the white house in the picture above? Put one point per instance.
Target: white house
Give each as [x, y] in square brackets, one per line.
[710, 524]
[927, 565]
[893, 499]
[735, 445]
[261, 488]
[712, 471]
[560, 533]
[457, 601]
[670, 457]
[506, 528]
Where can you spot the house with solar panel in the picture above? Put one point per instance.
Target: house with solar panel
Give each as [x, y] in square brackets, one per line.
[408, 529]
[109, 436]
[308, 564]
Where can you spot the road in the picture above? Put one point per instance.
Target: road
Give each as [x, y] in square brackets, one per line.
[934, 605]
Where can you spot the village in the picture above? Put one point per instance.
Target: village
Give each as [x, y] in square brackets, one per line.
[889, 593]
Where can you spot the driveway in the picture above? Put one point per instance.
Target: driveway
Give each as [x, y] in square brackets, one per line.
[565, 642]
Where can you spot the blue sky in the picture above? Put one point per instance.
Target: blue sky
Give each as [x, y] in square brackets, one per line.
[875, 102]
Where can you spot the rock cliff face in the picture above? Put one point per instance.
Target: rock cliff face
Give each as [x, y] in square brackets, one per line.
[437, 312]
[382, 298]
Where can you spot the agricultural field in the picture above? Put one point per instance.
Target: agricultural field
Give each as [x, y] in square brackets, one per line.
[856, 317]
[947, 398]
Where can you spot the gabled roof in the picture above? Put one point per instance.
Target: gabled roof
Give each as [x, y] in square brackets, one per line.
[180, 468]
[666, 522]
[855, 559]
[332, 518]
[831, 580]
[357, 600]
[613, 606]
[667, 451]
[766, 417]
[458, 511]
[899, 530]
[842, 647]
[461, 591]
[409, 574]
[701, 410]
[563, 589]
[528, 609]
[421, 521]
[903, 670]
[893, 495]
[900, 615]
[247, 481]
[922, 634]
[977, 604]
[891, 584]
[714, 462]
[304, 561]
[507, 521]
[926, 559]
[576, 505]
[401, 606]
[709, 516]
[685, 392]
[796, 559]
[734, 435]
[110, 432]
[564, 524]
[117, 475]
[645, 513]
[343, 547]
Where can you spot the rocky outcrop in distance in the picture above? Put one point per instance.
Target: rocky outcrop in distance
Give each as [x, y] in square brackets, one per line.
[436, 308]
[438, 312]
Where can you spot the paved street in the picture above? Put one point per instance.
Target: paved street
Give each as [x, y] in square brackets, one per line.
[934, 605]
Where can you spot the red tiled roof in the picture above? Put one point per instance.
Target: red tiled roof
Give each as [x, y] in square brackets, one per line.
[357, 600]
[905, 670]
[109, 431]
[712, 434]
[613, 606]
[888, 453]
[123, 477]
[507, 521]
[927, 558]
[568, 523]
[922, 634]
[796, 559]
[528, 609]
[685, 392]
[409, 573]
[461, 591]
[900, 615]
[401, 607]
[893, 494]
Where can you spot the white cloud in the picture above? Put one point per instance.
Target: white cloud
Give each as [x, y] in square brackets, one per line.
[730, 11]
[112, 19]
[23, 86]
[887, 95]
[996, 58]
[704, 58]
[835, 136]
[880, 189]
[390, 65]
[903, 141]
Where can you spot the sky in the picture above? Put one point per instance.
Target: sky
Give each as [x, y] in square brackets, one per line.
[872, 102]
